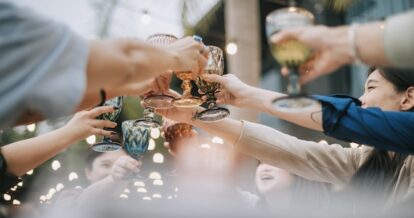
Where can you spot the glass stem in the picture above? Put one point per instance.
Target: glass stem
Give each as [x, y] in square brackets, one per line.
[186, 87]
[294, 87]
[149, 113]
[211, 99]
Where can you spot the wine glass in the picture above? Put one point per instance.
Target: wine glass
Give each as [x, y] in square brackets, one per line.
[215, 65]
[159, 100]
[187, 100]
[107, 144]
[291, 54]
[136, 140]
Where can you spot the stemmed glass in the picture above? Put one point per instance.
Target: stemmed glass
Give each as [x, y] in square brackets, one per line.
[187, 100]
[215, 65]
[291, 54]
[136, 141]
[159, 100]
[107, 144]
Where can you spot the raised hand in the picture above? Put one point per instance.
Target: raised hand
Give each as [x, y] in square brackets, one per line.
[232, 90]
[124, 166]
[84, 123]
[328, 54]
[190, 55]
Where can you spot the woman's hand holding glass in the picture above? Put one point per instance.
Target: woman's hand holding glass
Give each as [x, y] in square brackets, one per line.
[232, 90]
[84, 123]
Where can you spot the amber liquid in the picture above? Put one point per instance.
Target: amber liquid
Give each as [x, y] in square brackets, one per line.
[184, 75]
[290, 53]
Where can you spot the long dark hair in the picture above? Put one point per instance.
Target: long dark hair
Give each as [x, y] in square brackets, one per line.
[378, 174]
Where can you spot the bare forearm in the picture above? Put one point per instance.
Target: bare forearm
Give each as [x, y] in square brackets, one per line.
[115, 63]
[27, 154]
[228, 129]
[261, 100]
[371, 34]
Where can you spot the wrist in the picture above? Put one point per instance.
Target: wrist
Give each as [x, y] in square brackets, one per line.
[341, 44]
[253, 97]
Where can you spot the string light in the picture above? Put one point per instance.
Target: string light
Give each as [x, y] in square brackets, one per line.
[155, 175]
[73, 176]
[55, 165]
[31, 127]
[91, 139]
[155, 133]
[158, 158]
[151, 145]
[20, 184]
[142, 190]
[158, 182]
[156, 195]
[13, 188]
[139, 184]
[7, 197]
[59, 187]
[231, 48]
[217, 140]
[52, 191]
[146, 198]
[124, 196]
[145, 17]
[16, 202]
[30, 172]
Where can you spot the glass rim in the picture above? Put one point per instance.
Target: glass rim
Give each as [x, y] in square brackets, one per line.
[299, 10]
[161, 34]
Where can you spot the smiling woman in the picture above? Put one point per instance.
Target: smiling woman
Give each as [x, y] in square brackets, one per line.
[282, 192]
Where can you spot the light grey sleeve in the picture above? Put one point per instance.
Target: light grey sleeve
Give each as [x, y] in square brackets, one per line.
[42, 66]
[399, 40]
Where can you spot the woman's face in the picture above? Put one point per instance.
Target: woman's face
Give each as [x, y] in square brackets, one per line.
[102, 165]
[270, 179]
[381, 93]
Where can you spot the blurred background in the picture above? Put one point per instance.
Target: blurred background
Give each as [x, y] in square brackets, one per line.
[237, 26]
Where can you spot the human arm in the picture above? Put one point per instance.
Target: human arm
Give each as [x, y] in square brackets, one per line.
[123, 166]
[315, 161]
[48, 71]
[338, 116]
[25, 155]
[333, 47]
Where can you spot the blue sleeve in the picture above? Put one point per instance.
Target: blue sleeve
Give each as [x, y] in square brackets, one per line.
[344, 119]
[42, 65]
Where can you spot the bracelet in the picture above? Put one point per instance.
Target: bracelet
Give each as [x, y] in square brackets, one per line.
[351, 38]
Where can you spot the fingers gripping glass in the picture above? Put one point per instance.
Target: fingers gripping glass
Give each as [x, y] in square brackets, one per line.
[215, 65]
[290, 54]
[187, 100]
[136, 141]
[107, 144]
